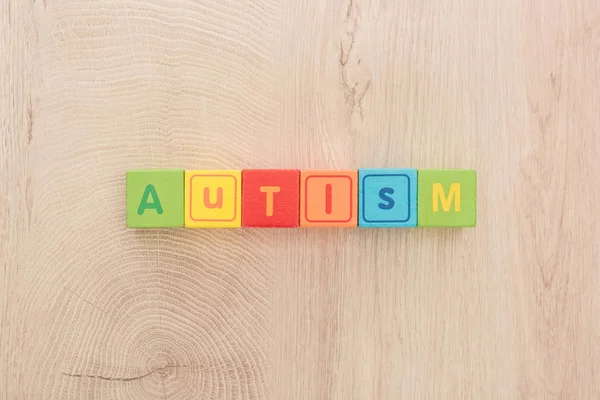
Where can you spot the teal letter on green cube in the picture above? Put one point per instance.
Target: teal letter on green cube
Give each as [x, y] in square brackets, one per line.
[447, 198]
[155, 198]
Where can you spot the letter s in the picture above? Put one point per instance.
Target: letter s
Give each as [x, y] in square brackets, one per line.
[383, 194]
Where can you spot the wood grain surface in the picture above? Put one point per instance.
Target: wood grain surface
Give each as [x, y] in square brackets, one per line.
[507, 310]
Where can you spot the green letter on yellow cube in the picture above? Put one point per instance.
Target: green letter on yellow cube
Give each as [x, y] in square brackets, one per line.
[155, 198]
[447, 198]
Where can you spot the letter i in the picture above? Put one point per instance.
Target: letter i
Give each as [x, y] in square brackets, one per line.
[328, 199]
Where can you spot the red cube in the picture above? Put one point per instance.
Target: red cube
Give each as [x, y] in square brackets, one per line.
[270, 198]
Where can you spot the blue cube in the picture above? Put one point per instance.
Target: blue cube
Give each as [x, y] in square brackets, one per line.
[387, 198]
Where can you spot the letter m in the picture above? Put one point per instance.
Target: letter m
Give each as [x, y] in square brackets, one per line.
[440, 195]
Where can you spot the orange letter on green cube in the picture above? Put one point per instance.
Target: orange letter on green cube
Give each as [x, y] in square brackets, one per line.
[155, 199]
[447, 198]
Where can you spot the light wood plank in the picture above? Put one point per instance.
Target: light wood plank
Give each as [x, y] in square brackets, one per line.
[507, 310]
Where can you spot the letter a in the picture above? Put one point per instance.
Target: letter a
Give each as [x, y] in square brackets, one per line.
[154, 205]
[216, 204]
[269, 190]
[438, 194]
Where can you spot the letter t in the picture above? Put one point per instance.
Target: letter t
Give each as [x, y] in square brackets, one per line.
[269, 190]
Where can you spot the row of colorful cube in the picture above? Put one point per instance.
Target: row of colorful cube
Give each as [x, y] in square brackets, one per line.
[279, 198]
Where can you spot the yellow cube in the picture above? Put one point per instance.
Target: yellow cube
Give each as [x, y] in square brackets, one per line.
[213, 199]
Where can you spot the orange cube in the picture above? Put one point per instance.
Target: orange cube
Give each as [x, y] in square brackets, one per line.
[328, 198]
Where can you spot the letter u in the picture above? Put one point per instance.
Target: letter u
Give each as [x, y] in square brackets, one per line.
[216, 204]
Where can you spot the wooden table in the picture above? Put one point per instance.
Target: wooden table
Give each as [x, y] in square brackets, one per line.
[92, 310]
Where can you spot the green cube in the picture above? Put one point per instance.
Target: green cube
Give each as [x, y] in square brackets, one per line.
[155, 198]
[447, 197]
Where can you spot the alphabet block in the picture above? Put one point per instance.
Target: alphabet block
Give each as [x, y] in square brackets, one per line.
[270, 198]
[154, 198]
[328, 198]
[387, 198]
[213, 199]
[447, 198]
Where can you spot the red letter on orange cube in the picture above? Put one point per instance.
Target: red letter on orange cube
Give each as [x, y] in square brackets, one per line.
[328, 198]
[270, 198]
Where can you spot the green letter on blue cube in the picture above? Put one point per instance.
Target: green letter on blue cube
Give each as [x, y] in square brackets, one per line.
[387, 198]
